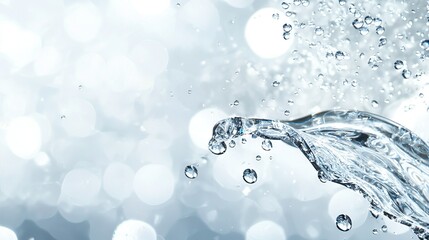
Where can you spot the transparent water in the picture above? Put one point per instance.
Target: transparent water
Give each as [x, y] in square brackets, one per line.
[382, 160]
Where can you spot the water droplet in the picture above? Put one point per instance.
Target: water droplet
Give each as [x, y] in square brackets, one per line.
[267, 145]
[286, 35]
[80, 87]
[377, 21]
[382, 41]
[287, 27]
[178, 5]
[216, 147]
[374, 103]
[368, 19]
[258, 157]
[379, 30]
[63, 116]
[250, 176]
[297, 2]
[374, 231]
[322, 177]
[319, 31]
[236, 102]
[374, 62]
[243, 141]
[305, 3]
[344, 223]
[398, 64]
[342, 2]
[276, 83]
[285, 5]
[232, 144]
[384, 228]
[287, 112]
[339, 55]
[425, 44]
[363, 31]
[357, 23]
[189, 91]
[276, 16]
[406, 73]
[191, 172]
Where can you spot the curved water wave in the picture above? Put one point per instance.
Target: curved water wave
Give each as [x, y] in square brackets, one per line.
[382, 160]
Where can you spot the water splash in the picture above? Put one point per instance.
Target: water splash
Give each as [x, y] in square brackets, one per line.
[382, 160]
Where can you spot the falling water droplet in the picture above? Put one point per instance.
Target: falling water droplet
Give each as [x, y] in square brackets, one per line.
[318, 31]
[398, 64]
[250, 176]
[406, 73]
[379, 30]
[216, 147]
[267, 145]
[191, 172]
[425, 44]
[344, 223]
[232, 144]
[287, 27]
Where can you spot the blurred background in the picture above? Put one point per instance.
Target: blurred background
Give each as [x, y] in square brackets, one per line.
[103, 104]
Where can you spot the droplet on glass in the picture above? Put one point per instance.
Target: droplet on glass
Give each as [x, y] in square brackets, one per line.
[368, 19]
[384, 228]
[425, 44]
[382, 41]
[339, 55]
[243, 141]
[363, 31]
[374, 103]
[285, 5]
[379, 30]
[342, 2]
[232, 144]
[406, 73]
[287, 27]
[250, 176]
[377, 21]
[374, 231]
[318, 31]
[258, 157]
[276, 83]
[191, 172]
[344, 223]
[357, 23]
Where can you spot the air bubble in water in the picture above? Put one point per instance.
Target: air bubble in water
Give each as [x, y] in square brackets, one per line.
[363, 31]
[398, 64]
[344, 223]
[379, 30]
[267, 145]
[258, 157]
[191, 172]
[318, 31]
[232, 144]
[250, 176]
[406, 73]
[425, 44]
[384, 228]
[287, 27]
[357, 23]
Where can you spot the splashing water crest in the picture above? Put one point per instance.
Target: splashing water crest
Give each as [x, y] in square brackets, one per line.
[382, 160]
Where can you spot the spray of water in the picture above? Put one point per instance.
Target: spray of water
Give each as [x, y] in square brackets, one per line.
[382, 160]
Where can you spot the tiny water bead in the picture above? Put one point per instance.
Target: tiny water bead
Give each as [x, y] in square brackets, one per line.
[384, 228]
[216, 147]
[286, 35]
[374, 103]
[342, 2]
[425, 44]
[374, 231]
[379, 30]
[363, 31]
[232, 144]
[250, 176]
[243, 141]
[276, 83]
[377, 21]
[368, 19]
[344, 222]
[382, 41]
[287, 27]
[285, 5]
[339, 55]
[406, 73]
[398, 64]
[191, 172]
[318, 31]
[258, 157]
[267, 145]
[357, 23]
